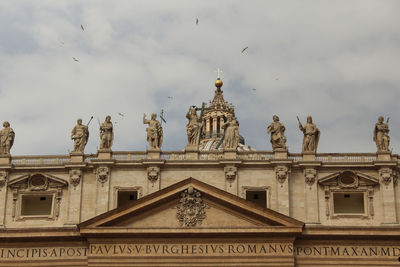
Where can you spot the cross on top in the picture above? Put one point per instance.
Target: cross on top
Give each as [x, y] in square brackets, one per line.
[219, 71]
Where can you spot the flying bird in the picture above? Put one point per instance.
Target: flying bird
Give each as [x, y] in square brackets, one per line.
[75, 59]
[254, 89]
[170, 97]
[244, 49]
[122, 115]
[83, 29]
[277, 78]
[197, 21]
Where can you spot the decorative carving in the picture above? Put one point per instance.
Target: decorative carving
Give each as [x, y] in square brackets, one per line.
[102, 174]
[191, 208]
[381, 135]
[154, 131]
[58, 202]
[281, 173]
[386, 175]
[277, 131]
[153, 173]
[310, 176]
[3, 177]
[7, 136]
[75, 177]
[38, 182]
[80, 135]
[311, 135]
[348, 179]
[106, 134]
[230, 173]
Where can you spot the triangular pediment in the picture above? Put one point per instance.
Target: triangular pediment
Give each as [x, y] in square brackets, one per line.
[344, 178]
[191, 206]
[37, 181]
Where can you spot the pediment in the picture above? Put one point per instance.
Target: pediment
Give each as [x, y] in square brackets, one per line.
[348, 179]
[191, 206]
[37, 182]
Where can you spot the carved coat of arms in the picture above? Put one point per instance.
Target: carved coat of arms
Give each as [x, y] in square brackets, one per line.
[191, 208]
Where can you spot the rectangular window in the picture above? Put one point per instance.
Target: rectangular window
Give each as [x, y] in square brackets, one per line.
[348, 203]
[126, 197]
[36, 205]
[258, 197]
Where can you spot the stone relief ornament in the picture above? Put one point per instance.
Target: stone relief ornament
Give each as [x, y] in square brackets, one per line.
[102, 174]
[153, 173]
[3, 177]
[386, 175]
[230, 173]
[310, 175]
[191, 209]
[75, 177]
[38, 182]
[281, 173]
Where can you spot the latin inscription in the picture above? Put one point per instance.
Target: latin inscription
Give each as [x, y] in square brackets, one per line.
[43, 253]
[347, 251]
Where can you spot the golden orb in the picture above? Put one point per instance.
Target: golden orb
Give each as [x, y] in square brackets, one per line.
[218, 83]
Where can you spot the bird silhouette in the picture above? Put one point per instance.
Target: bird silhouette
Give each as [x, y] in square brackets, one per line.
[170, 97]
[197, 21]
[122, 115]
[83, 29]
[244, 49]
[254, 89]
[75, 59]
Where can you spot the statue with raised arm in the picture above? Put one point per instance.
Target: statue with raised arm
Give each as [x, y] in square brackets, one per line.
[311, 135]
[277, 131]
[154, 131]
[193, 127]
[6, 138]
[106, 134]
[381, 134]
[80, 135]
[231, 128]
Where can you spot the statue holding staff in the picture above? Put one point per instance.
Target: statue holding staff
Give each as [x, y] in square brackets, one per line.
[80, 135]
[277, 131]
[311, 135]
[154, 132]
[7, 136]
[381, 134]
[106, 134]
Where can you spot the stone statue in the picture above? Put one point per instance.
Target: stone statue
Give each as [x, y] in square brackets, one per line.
[193, 127]
[311, 135]
[154, 132]
[381, 134]
[80, 135]
[106, 134]
[231, 128]
[277, 131]
[6, 139]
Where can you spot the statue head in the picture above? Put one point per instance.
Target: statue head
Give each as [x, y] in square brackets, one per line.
[79, 121]
[153, 116]
[6, 124]
[380, 119]
[309, 119]
[229, 117]
[275, 118]
[108, 118]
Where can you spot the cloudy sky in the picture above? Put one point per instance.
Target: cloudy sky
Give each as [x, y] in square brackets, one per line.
[338, 61]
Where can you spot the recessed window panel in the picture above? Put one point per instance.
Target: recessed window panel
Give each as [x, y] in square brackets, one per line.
[126, 197]
[257, 197]
[348, 203]
[36, 205]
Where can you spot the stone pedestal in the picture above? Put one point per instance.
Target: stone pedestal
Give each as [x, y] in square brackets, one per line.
[383, 156]
[77, 156]
[230, 153]
[104, 154]
[192, 152]
[280, 153]
[308, 156]
[153, 153]
[5, 159]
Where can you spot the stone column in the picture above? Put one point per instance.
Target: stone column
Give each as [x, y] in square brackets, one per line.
[103, 189]
[214, 126]
[208, 127]
[75, 196]
[153, 179]
[3, 196]
[388, 177]
[282, 189]
[311, 195]
[231, 179]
